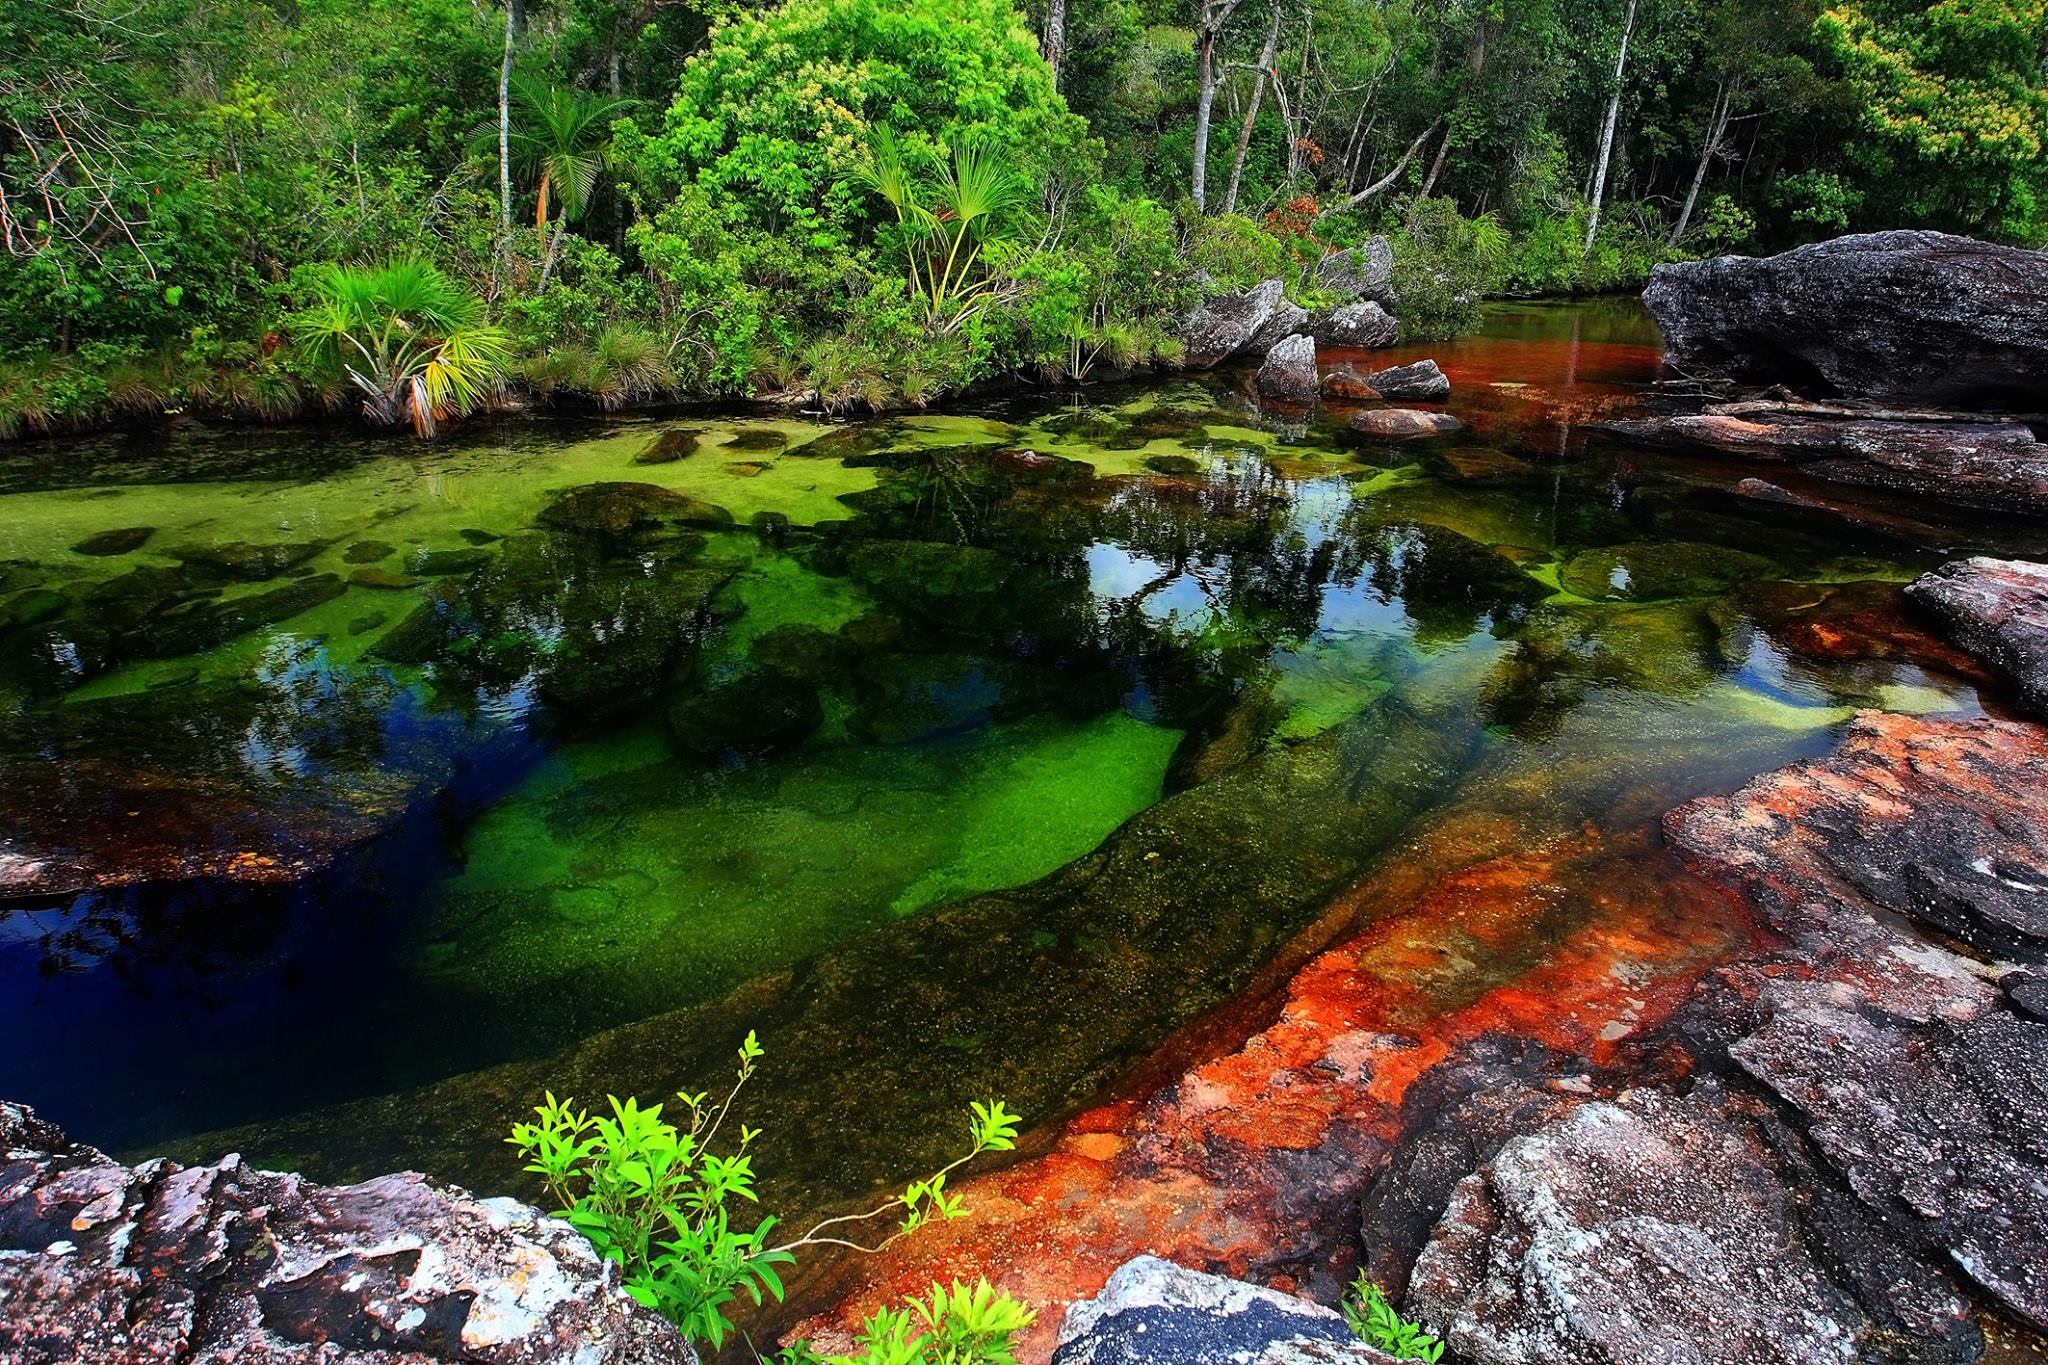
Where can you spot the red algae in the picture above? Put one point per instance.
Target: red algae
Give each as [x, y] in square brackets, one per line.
[1252, 1162]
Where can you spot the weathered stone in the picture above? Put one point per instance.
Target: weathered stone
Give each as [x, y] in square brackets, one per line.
[1647, 1229]
[1289, 374]
[224, 1265]
[1896, 1055]
[1364, 325]
[1402, 424]
[1288, 319]
[1153, 1312]
[1419, 381]
[118, 542]
[1221, 325]
[1346, 387]
[368, 552]
[1897, 316]
[1998, 610]
[1360, 272]
[1997, 465]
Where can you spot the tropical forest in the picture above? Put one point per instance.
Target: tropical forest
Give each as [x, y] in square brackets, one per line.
[1023, 682]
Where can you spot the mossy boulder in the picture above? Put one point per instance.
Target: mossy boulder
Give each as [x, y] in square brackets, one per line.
[905, 698]
[628, 511]
[1176, 466]
[1651, 571]
[368, 552]
[751, 715]
[757, 438]
[436, 563]
[254, 561]
[805, 652]
[118, 542]
[667, 448]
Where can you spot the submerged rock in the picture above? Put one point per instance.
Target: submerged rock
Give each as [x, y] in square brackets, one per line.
[626, 511]
[1364, 325]
[159, 1264]
[1997, 609]
[1221, 326]
[1289, 374]
[247, 560]
[1153, 1312]
[368, 552]
[749, 716]
[118, 542]
[1646, 1229]
[1996, 465]
[1897, 316]
[756, 438]
[1651, 571]
[668, 447]
[1402, 424]
[1420, 381]
[1346, 387]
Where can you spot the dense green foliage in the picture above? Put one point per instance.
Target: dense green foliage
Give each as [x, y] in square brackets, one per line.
[661, 1201]
[721, 197]
[963, 1325]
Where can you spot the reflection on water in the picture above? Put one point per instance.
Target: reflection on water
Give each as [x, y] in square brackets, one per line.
[353, 794]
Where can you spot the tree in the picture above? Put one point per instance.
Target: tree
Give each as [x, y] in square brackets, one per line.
[1251, 113]
[1606, 152]
[1210, 17]
[411, 339]
[562, 140]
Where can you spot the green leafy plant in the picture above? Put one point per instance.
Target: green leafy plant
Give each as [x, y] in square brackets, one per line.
[1374, 1321]
[664, 1201]
[961, 1325]
[412, 340]
[947, 213]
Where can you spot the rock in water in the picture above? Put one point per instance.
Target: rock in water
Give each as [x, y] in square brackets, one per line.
[1364, 325]
[1360, 272]
[1289, 373]
[1648, 1229]
[1897, 316]
[224, 1265]
[1420, 382]
[1402, 424]
[1998, 610]
[1996, 465]
[1220, 326]
[1153, 1312]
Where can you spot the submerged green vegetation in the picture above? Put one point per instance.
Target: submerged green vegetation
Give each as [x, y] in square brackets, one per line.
[225, 209]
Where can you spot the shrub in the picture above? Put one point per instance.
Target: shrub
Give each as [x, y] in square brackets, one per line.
[956, 1326]
[661, 1201]
[1374, 1321]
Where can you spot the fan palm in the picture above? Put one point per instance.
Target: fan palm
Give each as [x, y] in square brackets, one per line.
[414, 341]
[947, 218]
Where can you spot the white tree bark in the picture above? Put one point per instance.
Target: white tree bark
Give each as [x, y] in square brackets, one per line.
[1717, 125]
[1211, 16]
[1628, 26]
[1251, 114]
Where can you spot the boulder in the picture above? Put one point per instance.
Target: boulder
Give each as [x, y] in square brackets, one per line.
[1401, 424]
[219, 1264]
[1646, 1229]
[628, 511]
[1990, 464]
[1360, 272]
[1418, 382]
[1364, 325]
[1347, 387]
[251, 561]
[1221, 325]
[1288, 319]
[668, 447]
[1153, 1312]
[751, 715]
[1289, 374]
[1907, 315]
[1998, 610]
[117, 542]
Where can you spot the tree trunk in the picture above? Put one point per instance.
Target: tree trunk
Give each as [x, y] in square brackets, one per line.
[505, 124]
[1717, 124]
[1628, 25]
[1055, 37]
[1211, 17]
[1436, 167]
[1380, 185]
[1251, 114]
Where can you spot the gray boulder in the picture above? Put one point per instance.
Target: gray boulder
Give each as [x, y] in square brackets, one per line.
[1222, 324]
[1896, 316]
[1153, 1312]
[1418, 382]
[1288, 318]
[1648, 1229]
[1360, 272]
[225, 1265]
[1998, 610]
[1364, 325]
[1401, 424]
[1289, 374]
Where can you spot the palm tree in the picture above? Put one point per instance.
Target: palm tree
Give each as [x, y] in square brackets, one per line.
[413, 340]
[965, 202]
[560, 139]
